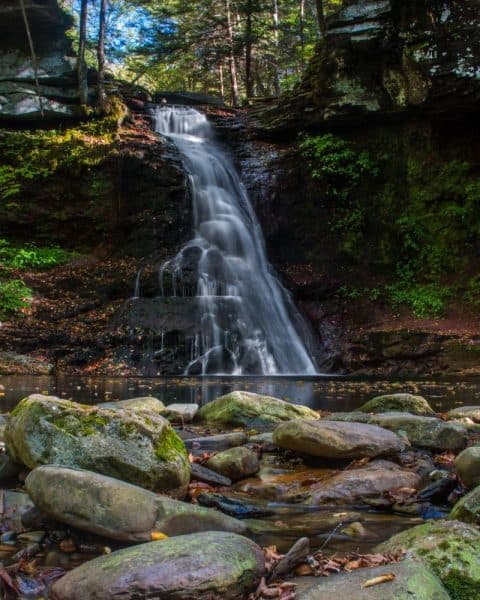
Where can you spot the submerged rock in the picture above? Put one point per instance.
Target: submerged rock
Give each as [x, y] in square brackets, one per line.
[468, 508]
[141, 448]
[245, 409]
[115, 509]
[235, 463]
[467, 465]
[331, 439]
[450, 548]
[416, 405]
[213, 566]
[412, 582]
[354, 485]
[148, 403]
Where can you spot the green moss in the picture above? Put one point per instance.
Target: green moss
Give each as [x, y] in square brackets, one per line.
[169, 445]
[80, 425]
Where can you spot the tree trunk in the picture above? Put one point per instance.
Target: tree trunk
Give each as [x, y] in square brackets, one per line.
[276, 26]
[248, 51]
[220, 78]
[321, 16]
[102, 96]
[231, 55]
[302, 34]
[81, 65]
[33, 55]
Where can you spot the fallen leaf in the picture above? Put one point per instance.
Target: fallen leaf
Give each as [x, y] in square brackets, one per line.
[378, 580]
[157, 536]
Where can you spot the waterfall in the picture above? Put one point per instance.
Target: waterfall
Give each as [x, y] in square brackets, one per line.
[248, 322]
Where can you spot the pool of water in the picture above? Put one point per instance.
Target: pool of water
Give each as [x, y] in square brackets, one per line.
[326, 393]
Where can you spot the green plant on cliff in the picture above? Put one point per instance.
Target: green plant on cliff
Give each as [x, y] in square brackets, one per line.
[15, 297]
[31, 256]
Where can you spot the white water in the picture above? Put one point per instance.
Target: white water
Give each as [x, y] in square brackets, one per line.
[249, 323]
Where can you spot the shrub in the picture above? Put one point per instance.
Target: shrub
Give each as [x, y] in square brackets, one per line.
[15, 296]
[32, 257]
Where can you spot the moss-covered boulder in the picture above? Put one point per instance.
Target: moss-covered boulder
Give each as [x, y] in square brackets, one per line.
[235, 463]
[334, 439]
[412, 582]
[450, 548]
[141, 448]
[212, 565]
[118, 510]
[245, 409]
[467, 465]
[468, 508]
[416, 405]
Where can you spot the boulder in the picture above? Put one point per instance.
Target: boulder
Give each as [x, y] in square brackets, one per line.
[236, 463]
[118, 510]
[415, 405]
[412, 582]
[465, 412]
[450, 548]
[141, 448]
[245, 409]
[333, 439]
[354, 485]
[214, 443]
[468, 508]
[183, 413]
[467, 465]
[148, 403]
[424, 432]
[212, 565]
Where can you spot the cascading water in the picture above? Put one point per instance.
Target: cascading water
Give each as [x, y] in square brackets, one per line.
[248, 323]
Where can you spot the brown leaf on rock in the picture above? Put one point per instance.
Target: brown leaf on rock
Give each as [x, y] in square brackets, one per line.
[378, 580]
[446, 458]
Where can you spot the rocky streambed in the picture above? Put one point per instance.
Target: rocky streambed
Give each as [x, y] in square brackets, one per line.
[246, 497]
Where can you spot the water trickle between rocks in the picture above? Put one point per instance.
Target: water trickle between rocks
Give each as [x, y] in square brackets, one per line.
[249, 324]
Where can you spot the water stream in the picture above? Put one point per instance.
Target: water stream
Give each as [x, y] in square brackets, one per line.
[248, 322]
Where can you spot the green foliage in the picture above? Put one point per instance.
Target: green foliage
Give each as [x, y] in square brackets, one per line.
[33, 156]
[423, 300]
[472, 293]
[31, 256]
[15, 296]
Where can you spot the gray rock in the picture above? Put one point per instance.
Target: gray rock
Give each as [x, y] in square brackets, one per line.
[143, 403]
[424, 432]
[183, 413]
[412, 582]
[355, 485]
[12, 363]
[416, 405]
[245, 409]
[213, 566]
[8, 468]
[201, 473]
[470, 412]
[467, 465]
[118, 510]
[333, 439]
[236, 463]
[468, 508]
[216, 442]
[141, 448]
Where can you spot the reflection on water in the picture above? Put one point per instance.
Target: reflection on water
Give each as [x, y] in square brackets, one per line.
[336, 394]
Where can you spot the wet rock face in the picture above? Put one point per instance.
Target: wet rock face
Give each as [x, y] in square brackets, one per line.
[209, 566]
[56, 63]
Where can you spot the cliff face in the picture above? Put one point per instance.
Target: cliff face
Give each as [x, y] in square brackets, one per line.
[399, 81]
[56, 63]
[385, 58]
